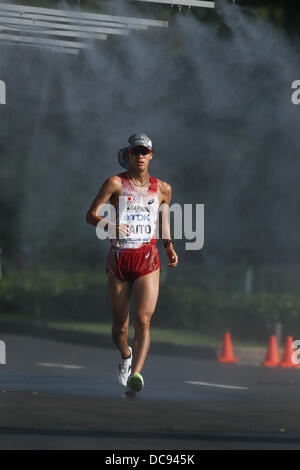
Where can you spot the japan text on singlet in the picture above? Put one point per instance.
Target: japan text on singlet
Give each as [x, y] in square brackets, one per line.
[140, 211]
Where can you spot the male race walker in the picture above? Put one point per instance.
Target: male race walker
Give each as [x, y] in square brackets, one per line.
[133, 263]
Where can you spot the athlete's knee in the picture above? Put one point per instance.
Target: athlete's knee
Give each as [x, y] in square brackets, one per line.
[119, 329]
[142, 323]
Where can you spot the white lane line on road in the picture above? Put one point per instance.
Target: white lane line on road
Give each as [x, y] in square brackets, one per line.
[62, 366]
[207, 384]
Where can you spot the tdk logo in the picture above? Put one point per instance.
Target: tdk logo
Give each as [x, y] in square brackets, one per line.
[138, 217]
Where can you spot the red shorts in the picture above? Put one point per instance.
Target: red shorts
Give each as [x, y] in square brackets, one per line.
[128, 264]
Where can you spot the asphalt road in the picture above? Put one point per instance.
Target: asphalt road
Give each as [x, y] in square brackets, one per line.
[61, 396]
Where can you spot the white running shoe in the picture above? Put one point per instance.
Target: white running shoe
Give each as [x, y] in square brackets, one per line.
[125, 369]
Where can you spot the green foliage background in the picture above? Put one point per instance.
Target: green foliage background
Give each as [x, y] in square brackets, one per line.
[82, 296]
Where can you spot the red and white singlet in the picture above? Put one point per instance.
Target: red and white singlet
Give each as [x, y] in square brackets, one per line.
[137, 254]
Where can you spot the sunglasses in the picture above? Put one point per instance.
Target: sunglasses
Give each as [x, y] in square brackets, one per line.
[140, 151]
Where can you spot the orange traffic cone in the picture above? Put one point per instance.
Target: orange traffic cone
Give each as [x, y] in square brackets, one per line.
[287, 360]
[272, 357]
[227, 355]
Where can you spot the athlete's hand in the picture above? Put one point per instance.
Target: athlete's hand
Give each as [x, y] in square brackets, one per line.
[122, 230]
[172, 256]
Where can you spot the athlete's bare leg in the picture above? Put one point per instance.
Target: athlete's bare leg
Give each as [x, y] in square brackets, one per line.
[119, 294]
[145, 291]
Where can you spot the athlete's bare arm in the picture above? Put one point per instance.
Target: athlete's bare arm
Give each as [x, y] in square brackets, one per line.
[165, 195]
[110, 190]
